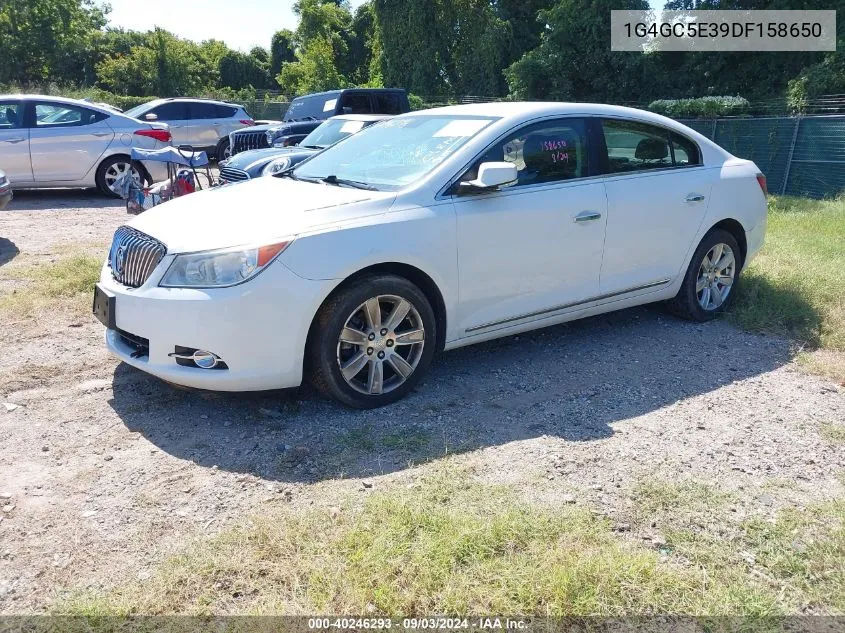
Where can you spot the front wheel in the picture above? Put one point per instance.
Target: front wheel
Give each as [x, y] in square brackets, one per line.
[708, 287]
[372, 341]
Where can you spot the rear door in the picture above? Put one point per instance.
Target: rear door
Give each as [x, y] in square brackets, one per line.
[177, 115]
[66, 140]
[14, 142]
[657, 196]
[209, 123]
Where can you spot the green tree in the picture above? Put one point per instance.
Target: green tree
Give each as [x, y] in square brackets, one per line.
[573, 60]
[315, 70]
[44, 40]
[282, 50]
[238, 70]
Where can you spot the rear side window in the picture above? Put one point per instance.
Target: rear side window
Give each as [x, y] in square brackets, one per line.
[355, 103]
[203, 111]
[387, 103]
[49, 115]
[173, 111]
[684, 151]
[11, 115]
[550, 151]
[633, 146]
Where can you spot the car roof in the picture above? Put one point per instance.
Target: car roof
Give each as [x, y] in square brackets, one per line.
[360, 117]
[80, 102]
[337, 92]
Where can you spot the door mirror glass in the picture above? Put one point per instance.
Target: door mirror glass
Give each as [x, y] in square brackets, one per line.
[150, 117]
[492, 175]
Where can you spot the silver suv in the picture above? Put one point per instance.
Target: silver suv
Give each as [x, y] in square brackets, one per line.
[203, 123]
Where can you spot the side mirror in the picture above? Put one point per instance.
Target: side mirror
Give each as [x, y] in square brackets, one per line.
[150, 117]
[493, 175]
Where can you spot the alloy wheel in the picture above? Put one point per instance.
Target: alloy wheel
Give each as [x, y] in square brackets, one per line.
[116, 171]
[380, 344]
[716, 276]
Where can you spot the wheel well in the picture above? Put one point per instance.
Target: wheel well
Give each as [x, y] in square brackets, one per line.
[735, 228]
[412, 274]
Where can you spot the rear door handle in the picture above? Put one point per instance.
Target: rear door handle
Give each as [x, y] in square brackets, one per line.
[14, 140]
[587, 216]
[695, 197]
[101, 133]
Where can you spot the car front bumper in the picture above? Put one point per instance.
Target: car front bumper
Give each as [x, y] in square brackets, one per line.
[258, 328]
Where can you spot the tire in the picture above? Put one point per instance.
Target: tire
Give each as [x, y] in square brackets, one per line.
[381, 377]
[698, 303]
[223, 150]
[110, 168]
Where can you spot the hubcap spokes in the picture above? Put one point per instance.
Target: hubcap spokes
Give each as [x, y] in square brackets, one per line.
[380, 344]
[117, 170]
[715, 277]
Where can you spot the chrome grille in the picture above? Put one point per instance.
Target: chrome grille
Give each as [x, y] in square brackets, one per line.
[243, 141]
[134, 256]
[230, 174]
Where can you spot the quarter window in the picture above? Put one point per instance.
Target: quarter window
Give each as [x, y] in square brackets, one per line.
[550, 151]
[684, 151]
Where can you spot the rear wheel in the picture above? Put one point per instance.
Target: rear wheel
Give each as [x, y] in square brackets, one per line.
[372, 341]
[112, 169]
[224, 149]
[708, 287]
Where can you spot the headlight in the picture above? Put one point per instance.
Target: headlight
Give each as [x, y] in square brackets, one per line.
[276, 165]
[217, 269]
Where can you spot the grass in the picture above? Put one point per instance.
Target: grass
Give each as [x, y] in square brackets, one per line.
[796, 285]
[833, 432]
[70, 278]
[456, 547]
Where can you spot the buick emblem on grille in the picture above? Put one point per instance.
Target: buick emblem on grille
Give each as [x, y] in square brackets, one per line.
[119, 260]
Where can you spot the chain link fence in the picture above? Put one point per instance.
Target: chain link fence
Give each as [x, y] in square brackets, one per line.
[801, 156]
[272, 110]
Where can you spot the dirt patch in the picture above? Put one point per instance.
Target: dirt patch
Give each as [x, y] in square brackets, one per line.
[106, 470]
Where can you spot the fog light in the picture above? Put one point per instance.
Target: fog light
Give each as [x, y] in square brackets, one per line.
[191, 357]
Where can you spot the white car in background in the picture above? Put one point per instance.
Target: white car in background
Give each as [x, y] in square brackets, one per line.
[57, 142]
[430, 231]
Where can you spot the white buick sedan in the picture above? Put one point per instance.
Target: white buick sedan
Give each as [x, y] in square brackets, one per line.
[429, 231]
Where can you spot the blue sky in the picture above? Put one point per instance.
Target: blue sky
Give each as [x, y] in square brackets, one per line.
[242, 24]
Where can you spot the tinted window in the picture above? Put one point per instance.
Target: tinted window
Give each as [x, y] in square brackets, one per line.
[224, 112]
[633, 146]
[387, 103]
[201, 110]
[685, 151]
[11, 115]
[550, 151]
[173, 111]
[314, 107]
[355, 103]
[61, 115]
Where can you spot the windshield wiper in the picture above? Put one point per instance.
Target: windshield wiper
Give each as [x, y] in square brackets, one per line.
[313, 146]
[334, 180]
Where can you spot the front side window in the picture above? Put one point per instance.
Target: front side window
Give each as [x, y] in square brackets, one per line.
[11, 115]
[395, 153]
[173, 111]
[550, 151]
[634, 146]
[48, 115]
[311, 108]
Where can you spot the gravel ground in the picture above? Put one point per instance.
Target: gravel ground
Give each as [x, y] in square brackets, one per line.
[105, 470]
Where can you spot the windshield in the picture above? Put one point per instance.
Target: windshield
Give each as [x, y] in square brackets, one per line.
[332, 131]
[394, 153]
[316, 107]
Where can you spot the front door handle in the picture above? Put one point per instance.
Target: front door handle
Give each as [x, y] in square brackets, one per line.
[695, 197]
[14, 140]
[587, 216]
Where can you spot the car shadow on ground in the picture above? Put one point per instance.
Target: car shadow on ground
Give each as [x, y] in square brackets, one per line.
[576, 381]
[53, 199]
[8, 250]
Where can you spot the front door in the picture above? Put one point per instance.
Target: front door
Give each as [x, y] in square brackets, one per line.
[532, 248]
[14, 142]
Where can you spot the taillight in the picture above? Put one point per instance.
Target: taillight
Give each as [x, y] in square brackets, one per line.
[247, 122]
[761, 180]
[159, 135]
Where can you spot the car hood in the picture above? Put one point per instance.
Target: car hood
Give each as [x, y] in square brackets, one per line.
[255, 212]
[253, 157]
